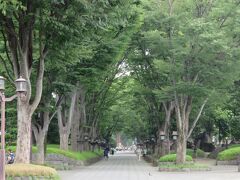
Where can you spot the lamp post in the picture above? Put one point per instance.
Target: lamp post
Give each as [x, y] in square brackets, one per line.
[175, 136]
[21, 87]
[226, 142]
[153, 143]
[85, 141]
[162, 142]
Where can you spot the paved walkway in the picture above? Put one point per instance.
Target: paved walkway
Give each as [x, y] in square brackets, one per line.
[125, 166]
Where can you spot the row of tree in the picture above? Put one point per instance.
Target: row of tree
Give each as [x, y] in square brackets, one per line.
[69, 52]
[98, 67]
[186, 59]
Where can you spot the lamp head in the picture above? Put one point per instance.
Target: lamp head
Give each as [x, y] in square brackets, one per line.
[174, 135]
[162, 135]
[21, 85]
[86, 137]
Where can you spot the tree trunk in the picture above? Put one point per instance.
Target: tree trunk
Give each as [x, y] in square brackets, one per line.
[75, 131]
[81, 146]
[65, 118]
[166, 143]
[24, 134]
[181, 148]
[64, 136]
[40, 148]
[163, 146]
[40, 133]
[85, 146]
[83, 120]
[158, 147]
[74, 136]
[183, 109]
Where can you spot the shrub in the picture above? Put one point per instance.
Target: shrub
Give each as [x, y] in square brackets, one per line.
[229, 154]
[200, 153]
[17, 170]
[172, 158]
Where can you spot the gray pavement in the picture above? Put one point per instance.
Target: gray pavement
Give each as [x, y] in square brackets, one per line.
[125, 166]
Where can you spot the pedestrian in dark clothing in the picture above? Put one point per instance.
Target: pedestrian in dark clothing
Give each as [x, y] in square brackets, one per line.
[112, 151]
[105, 152]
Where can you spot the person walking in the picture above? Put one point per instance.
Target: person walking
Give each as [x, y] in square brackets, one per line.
[105, 153]
[138, 151]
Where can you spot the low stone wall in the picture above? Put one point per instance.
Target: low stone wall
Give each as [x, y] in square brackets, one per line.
[30, 178]
[151, 160]
[183, 169]
[61, 162]
[166, 163]
[231, 162]
[92, 161]
[171, 163]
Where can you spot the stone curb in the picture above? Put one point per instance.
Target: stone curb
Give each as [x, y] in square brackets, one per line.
[151, 160]
[61, 162]
[230, 162]
[30, 178]
[183, 169]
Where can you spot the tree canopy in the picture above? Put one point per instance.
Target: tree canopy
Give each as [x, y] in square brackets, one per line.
[142, 68]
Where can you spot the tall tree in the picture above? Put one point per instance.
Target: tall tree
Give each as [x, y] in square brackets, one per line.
[194, 57]
[29, 30]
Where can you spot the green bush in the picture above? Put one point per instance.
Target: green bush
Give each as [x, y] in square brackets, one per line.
[200, 153]
[172, 158]
[229, 154]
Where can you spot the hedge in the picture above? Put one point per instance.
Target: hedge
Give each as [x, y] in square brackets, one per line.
[200, 153]
[229, 154]
[172, 158]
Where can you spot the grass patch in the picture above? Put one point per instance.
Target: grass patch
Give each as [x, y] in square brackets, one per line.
[13, 148]
[234, 145]
[18, 170]
[54, 149]
[229, 154]
[184, 166]
[53, 146]
[172, 158]
[74, 155]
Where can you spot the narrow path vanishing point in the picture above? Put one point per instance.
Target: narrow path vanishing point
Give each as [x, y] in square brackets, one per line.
[125, 166]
